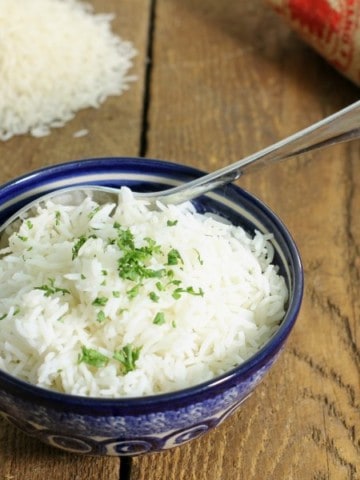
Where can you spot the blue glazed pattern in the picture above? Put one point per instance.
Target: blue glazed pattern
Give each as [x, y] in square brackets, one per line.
[139, 425]
[126, 435]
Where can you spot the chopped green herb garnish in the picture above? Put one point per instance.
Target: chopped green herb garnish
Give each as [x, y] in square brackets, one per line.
[22, 238]
[3, 316]
[51, 288]
[100, 301]
[29, 224]
[152, 247]
[93, 357]
[128, 357]
[170, 273]
[57, 217]
[192, 291]
[171, 223]
[156, 273]
[100, 317]
[159, 318]
[200, 260]
[160, 286]
[94, 212]
[83, 277]
[154, 297]
[133, 291]
[125, 238]
[104, 272]
[116, 294]
[174, 257]
[79, 243]
[134, 263]
[131, 266]
[179, 291]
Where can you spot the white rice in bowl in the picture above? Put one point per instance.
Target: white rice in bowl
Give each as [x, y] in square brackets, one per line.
[119, 300]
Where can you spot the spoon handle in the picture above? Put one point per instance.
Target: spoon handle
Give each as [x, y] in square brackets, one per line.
[342, 126]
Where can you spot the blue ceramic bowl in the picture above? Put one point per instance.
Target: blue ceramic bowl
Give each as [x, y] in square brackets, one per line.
[134, 426]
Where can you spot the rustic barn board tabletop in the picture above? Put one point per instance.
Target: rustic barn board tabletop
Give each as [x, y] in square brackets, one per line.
[216, 81]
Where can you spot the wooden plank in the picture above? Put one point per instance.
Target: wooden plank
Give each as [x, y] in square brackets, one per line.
[229, 78]
[115, 129]
[22, 458]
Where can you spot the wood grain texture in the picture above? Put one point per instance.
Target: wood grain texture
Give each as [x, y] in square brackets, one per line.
[114, 129]
[24, 458]
[229, 78]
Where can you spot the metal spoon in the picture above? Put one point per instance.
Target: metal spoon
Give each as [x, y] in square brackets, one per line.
[339, 127]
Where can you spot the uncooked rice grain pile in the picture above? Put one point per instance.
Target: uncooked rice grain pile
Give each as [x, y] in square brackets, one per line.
[56, 57]
[119, 300]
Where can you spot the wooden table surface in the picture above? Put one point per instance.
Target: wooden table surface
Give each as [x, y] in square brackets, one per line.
[216, 81]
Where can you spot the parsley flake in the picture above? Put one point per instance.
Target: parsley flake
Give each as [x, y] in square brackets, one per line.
[134, 263]
[57, 217]
[100, 317]
[78, 244]
[51, 288]
[134, 291]
[92, 357]
[154, 297]
[160, 286]
[171, 223]
[190, 290]
[200, 260]
[128, 356]
[100, 301]
[174, 257]
[159, 318]
[93, 212]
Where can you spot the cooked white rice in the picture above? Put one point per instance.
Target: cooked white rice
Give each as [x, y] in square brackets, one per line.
[120, 300]
[56, 57]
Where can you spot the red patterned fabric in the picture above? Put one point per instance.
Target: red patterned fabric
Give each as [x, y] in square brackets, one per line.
[321, 19]
[332, 27]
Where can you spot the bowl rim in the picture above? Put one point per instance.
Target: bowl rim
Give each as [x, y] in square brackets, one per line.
[270, 349]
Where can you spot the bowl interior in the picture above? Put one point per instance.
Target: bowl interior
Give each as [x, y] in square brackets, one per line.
[231, 202]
